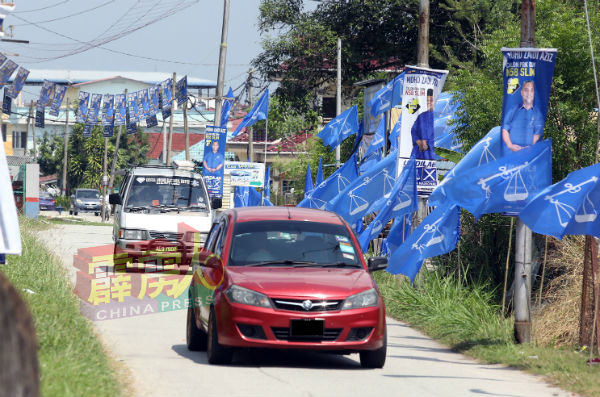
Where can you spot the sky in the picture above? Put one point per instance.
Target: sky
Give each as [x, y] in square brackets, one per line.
[60, 28]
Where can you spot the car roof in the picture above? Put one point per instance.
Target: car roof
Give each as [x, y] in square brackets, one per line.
[249, 214]
[163, 171]
[86, 189]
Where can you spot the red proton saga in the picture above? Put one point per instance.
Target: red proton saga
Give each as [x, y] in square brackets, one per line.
[284, 278]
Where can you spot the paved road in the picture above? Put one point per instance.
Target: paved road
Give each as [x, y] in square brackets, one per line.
[153, 347]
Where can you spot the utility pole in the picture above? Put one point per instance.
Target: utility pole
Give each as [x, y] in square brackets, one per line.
[523, 235]
[222, 58]
[29, 123]
[170, 143]
[338, 96]
[251, 132]
[186, 132]
[65, 151]
[114, 160]
[104, 178]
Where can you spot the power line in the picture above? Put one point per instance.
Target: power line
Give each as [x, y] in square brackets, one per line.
[40, 9]
[71, 15]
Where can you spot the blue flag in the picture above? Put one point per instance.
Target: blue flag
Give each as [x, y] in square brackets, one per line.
[267, 187]
[181, 91]
[395, 134]
[308, 183]
[227, 104]
[488, 149]
[166, 96]
[254, 197]
[332, 186]
[436, 235]
[94, 111]
[358, 138]
[18, 83]
[260, 111]
[398, 233]
[120, 110]
[319, 172]
[570, 206]
[378, 139]
[59, 96]
[505, 185]
[240, 196]
[353, 202]
[267, 202]
[387, 97]
[340, 128]
[401, 201]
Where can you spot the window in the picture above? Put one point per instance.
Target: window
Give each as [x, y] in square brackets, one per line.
[19, 139]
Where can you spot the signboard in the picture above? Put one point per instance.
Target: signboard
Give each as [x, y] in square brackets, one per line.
[245, 174]
[214, 159]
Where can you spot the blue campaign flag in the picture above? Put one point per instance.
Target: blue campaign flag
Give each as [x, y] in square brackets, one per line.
[332, 186]
[46, 94]
[18, 83]
[181, 90]
[505, 185]
[308, 183]
[108, 110]
[369, 162]
[6, 103]
[402, 200]
[398, 233]
[143, 104]
[151, 121]
[260, 111]
[567, 207]
[387, 97]
[7, 70]
[395, 134]
[378, 140]
[166, 96]
[94, 110]
[39, 118]
[120, 110]
[488, 149]
[254, 197]
[353, 202]
[59, 96]
[436, 235]
[153, 97]
[267, 202]
[87, 130]
[227, 104]
[131, 128]
[340, 128]
[319, 172]
[267, 185]
[359, 136]
[240, 196]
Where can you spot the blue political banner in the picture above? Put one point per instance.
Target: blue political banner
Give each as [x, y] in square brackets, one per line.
[227, 105]
[568, 207]
[182, 91]
[437, 234]
[378, 140]
[319, 172]
[395, 134]
[213, 166]
[260, 111]
[358, 138]
[3, 58]
[254, 197]
[387, 97]
[267, 185]
[527, 80]
[94, 110]
[18, 83]
[87, 130]
[132, 107]
[505, 185]
[332, 186]
[108, 130]
[131, 128]
[353, 202]
[486, 150]
[6, 70]
[397, 234]
[308, 183]
[84, 106]
[370, 161]
[153, 97]
[39, 118]
[166, 95]
[142, 104]
[401, 201]
[59, 95]
[151, 121]
[340, 128]
[267, 202]
[46, 94]
[108, 113]
[120, 110]
[6, 103]
[240, 196]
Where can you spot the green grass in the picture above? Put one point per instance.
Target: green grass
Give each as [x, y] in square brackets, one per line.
[72, 221]
[72, 360]
[467, 320]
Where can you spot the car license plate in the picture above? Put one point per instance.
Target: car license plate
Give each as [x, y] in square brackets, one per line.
[307, 327]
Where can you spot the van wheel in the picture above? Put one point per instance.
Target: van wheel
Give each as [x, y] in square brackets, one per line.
[75, 213]
[195, 338]
[217, 353]
[374, 358]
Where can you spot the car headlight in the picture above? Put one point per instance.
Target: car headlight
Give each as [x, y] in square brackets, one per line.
[78, 201]
[366, 298]
[132, 234]
[246, 296]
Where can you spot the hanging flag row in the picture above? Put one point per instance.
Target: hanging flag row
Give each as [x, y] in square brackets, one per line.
[7, 68]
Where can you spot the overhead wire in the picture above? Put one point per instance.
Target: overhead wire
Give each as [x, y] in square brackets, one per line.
[40, 9]
[71, 15]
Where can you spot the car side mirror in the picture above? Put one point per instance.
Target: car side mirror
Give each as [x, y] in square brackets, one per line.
[216, 202]
[377, 263]
[115, 198]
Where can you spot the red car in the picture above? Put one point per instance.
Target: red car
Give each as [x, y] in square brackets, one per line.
[285, 278]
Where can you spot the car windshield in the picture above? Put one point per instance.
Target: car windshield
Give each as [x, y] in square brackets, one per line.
[88, 194]
[292, 243]
[167, 192]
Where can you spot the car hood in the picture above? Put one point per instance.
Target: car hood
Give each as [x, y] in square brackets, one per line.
[325, 283]
[167, 222]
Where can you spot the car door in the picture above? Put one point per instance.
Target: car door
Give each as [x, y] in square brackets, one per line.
[212, 244]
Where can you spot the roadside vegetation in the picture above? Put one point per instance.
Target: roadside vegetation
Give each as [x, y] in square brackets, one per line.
[72, 360]
[71, 220]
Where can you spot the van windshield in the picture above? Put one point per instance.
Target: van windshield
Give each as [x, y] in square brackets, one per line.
[88, 194]
[162, 192]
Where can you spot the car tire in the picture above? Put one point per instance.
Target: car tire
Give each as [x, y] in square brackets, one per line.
[96, 213]
[70, 212]
[75, 213]
[374, 358]
[217, 353]
[195, 338]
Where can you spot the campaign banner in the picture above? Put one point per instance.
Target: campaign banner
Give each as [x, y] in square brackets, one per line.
[215, 139]
[421, 88]
[87, 130]
[84, 101]
[120, 107]
[94, 110]
[59, 95]
[6, 70]
[108, 110]
[46, 94]
[144, 104]
[166, 95]
[245, 174]
[131, 128]
[6, 102]
[3, 58]
[527, 80]
[39, 118]
[153, 96]
[182, 91]
[132, 107]
[18, 83]
[151, 121]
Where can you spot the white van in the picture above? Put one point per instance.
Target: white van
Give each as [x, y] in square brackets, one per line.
[161, 203]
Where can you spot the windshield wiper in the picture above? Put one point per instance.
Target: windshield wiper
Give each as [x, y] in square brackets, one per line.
[283, 262]
[137, 207]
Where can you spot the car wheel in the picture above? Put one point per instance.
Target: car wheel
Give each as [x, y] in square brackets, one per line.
[70, 212]
[96, 213]
[75, 213]
[374, 358]
[217, 353]
[195, 338]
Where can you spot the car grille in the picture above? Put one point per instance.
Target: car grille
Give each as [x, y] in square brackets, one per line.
[165, 235]
[303, 305]
[329, 335]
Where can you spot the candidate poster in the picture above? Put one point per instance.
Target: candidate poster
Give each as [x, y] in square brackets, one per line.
[153, 94]
[166, 96]
[6, 70]
[421, 89]
[132, 107]
[182, 91]
[120, 109]
[84, 103]
[94, 110]
[144, 104]
[527, 80]
[214, 159]
[18, 83]
[59, 95]
[46, 94]
[108, 103]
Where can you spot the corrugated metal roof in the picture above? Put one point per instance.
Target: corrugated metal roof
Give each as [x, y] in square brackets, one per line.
[63, 76]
